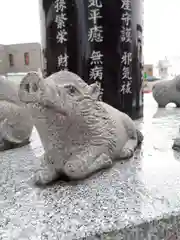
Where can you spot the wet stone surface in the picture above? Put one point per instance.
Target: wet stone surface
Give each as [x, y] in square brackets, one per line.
[136, 199]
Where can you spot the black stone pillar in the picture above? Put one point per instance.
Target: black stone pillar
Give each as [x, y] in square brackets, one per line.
[101, 41]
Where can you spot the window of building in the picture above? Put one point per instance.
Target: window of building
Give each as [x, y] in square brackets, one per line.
[11, 60]
[26, 58]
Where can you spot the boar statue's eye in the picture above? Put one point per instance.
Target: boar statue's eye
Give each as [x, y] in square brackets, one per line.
[71, 89]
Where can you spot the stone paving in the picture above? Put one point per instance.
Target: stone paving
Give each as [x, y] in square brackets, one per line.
[136, 199]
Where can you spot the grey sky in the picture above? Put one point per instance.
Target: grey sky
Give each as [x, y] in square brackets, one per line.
[19, 22]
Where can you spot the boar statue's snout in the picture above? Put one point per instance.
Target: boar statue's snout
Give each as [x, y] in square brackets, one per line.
[30, 87]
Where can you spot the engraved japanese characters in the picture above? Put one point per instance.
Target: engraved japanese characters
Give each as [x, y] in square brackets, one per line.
[15, 121]
[62, 34]
[167, 91]
[126, 41]
[80, 134]
[95, 36]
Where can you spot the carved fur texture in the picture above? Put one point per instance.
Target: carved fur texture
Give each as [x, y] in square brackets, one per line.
[167, 91]
[80, 134]
[15, 121]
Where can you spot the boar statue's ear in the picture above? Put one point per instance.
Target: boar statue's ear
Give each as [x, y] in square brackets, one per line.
[29, 85]
[95, 91]
[178, 83]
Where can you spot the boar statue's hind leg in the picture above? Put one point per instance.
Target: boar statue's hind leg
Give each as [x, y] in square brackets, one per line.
[131, 145]
[84, 165]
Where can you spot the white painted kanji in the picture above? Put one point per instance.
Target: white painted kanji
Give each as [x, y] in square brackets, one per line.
[126, 73]
[126, 88]
[60, 20]
[63, 60]
[126, 5]
[126, 58]
[126, 35]
[96, 57]
[123, 88]
[126, 18]
[95, 34]
[60, 5]
[94, 3]
[61, 36]
[94, 15]
[96, 73]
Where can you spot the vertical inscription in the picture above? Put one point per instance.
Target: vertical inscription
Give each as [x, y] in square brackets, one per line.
[126, 41]
[62, 34]
[95, 35]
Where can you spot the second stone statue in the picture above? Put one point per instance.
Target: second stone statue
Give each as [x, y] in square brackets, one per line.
[167, 91]
[15, 121]
[80, 134]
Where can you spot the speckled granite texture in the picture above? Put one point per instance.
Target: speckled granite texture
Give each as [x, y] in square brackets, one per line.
[135, 200]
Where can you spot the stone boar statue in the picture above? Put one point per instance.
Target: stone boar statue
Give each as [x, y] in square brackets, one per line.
[167, 91]
[15, 121]
[80, 134]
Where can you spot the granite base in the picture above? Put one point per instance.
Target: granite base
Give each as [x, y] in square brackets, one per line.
[136, 199]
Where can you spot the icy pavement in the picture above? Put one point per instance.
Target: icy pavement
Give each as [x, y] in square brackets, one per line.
[135, 200]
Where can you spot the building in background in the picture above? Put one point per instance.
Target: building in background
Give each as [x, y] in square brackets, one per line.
[20, 58]
[148, 70]
[164, 68]
[174, 69]
[3, 60]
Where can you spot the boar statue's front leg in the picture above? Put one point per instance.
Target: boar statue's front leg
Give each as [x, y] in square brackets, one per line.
[49, 172]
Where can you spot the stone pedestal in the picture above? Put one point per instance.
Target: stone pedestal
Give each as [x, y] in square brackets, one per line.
[100, 41]
[135, 200]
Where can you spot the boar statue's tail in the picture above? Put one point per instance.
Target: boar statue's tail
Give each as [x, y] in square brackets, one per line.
[140, 136]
